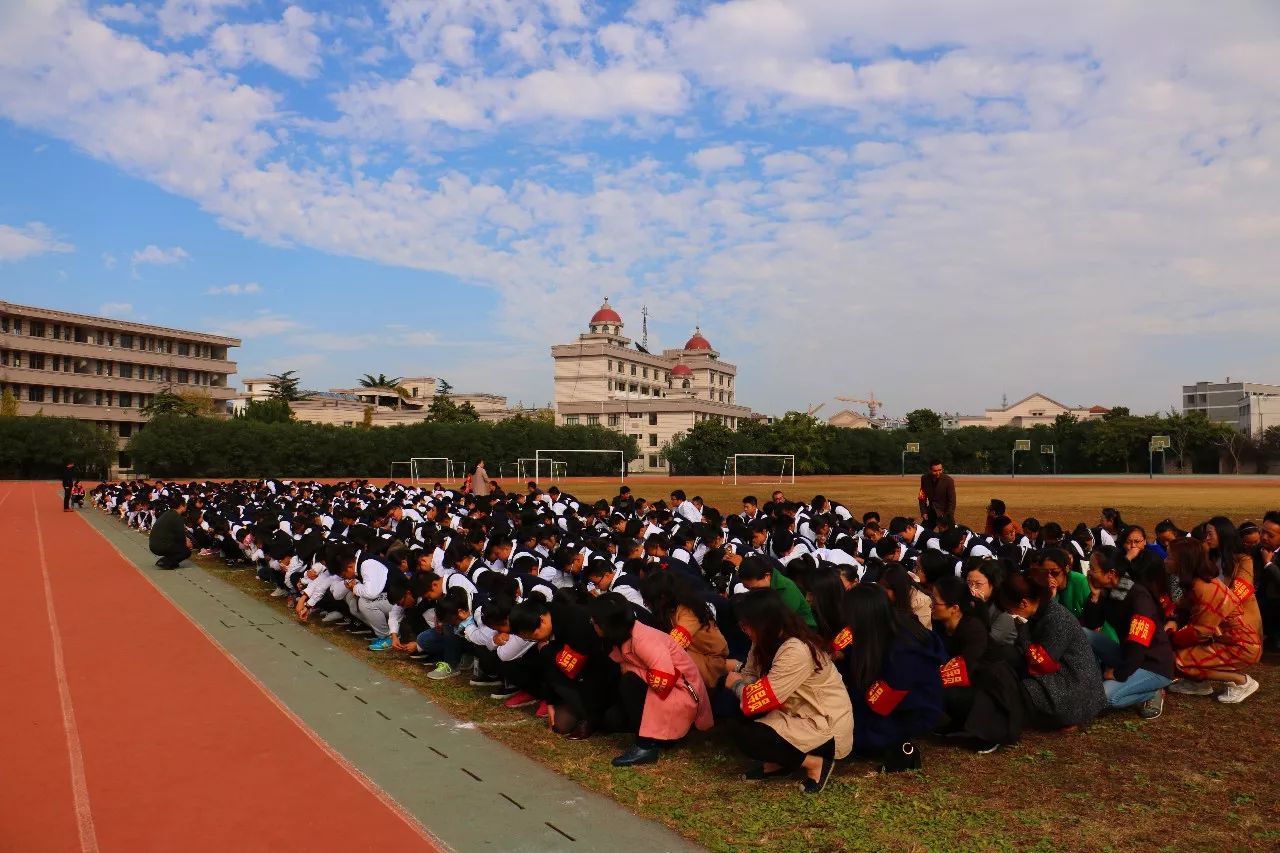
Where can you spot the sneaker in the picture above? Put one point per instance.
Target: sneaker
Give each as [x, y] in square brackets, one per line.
[380, 645]
[482, 680]
[279, 593]
[1153, 707]
[441, 672]
[504, 691]
[359, 628]
[1236, 693]
[1187, 687]
[983, 747]
[332, 616]
[206, 552]
[542, 710]
[521, 698]
[467, 662]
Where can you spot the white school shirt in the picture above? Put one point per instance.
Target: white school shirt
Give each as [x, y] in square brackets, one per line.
[689, 512]
[373, 583]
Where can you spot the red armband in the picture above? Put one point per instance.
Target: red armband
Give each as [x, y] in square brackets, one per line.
[1141, 630]
[1185, 637]
[1167, 606]
[955, 672]
[570, 662]
[757, 698]
[1039, 661]
[842, 640]
[660, 682]
[1242, 589]
[682, 636]
[883, 699]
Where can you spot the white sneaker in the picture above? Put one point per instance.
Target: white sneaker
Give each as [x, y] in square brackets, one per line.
[441, 672]
[332, 616]
[1236, 693]
[279, 593]
[1187, 687]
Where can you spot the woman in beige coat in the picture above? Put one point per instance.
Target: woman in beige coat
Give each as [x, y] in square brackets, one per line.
[480, 484]
[798, 711]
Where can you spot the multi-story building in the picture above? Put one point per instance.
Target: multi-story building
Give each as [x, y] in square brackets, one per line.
[1027, 412]
[1247, 406]
[605, 379]
[104, 370]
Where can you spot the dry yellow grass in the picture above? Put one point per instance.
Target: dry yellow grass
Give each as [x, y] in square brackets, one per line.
[1065, 500]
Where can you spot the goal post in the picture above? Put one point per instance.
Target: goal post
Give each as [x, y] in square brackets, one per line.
[552, 455]
[784, 460]
[406, 466]
[416, 467]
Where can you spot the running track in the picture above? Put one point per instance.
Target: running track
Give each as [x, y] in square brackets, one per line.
[123, 727]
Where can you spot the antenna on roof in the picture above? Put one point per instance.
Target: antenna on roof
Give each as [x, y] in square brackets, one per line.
[1004, 401]
[644, 328]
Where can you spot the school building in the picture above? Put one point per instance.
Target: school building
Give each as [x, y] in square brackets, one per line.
[607, 379]
[1250, 407]
[104, 370]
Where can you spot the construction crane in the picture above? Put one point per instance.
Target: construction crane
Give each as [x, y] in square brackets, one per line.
[873, 405]
[814, 409]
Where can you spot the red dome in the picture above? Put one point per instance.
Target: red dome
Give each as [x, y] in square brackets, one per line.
[697, 341]
[606, 314]
[681, 370]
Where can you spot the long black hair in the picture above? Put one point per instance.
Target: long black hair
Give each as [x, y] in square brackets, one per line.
[663, 592]
[826, 593]
[869, 615]
[614, 617]
[774, 623]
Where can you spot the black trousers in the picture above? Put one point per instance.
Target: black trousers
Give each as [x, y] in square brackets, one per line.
[66, 497]
[761, 743]
[173, 556]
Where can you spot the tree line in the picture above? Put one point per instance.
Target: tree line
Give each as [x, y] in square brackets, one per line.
[1116, 443]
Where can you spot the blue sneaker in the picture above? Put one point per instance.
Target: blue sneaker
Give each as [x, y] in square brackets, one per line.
[380, 645]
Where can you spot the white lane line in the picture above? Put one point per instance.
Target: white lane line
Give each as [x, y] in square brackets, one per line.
[79, 787]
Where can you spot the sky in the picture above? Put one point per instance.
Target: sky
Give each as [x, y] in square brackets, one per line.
[939, 202]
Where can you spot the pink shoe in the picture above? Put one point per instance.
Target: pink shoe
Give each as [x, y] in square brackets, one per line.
[520, 700]
[542, 710]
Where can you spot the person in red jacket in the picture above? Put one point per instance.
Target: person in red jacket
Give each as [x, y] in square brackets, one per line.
[937, 496]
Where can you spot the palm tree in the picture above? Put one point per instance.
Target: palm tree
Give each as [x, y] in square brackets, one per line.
[390, 383]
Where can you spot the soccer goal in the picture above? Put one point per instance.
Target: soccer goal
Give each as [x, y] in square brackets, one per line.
[539, 455]
[556, 468]
[425, 467]
[406, 468]
[760, 467]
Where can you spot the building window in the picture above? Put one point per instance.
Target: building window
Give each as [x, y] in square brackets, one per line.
[653, 419]
[653, 439]
[184, 349]
[35, 329]
[654, 461]
[645, 371]
[614, 420]
[184, 377]
[126, 341]
[571, 420]
[593, 420]
[125, 401]
[633, 370]
[99, 399]
[126, 371]
[36, 361]
[35, 393]
[611, 365]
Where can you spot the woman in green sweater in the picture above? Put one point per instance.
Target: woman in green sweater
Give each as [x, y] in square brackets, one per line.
[1071, 589]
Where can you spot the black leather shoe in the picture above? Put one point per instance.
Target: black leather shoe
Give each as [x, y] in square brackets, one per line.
[637, 755]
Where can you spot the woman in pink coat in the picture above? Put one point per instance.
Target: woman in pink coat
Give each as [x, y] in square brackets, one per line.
[661, 695]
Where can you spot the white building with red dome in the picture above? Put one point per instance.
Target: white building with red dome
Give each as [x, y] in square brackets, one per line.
[605, 379]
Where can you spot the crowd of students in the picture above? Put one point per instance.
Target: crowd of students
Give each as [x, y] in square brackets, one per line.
[809, 632]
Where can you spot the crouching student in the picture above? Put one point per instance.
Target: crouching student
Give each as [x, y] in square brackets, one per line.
[1059, 678]
[684, 614]
[456, 617]
[438, 643]
[577, 679]
[1216, 642]
[1136, 670]
[979, 686]
[168, 538]
[891, 670]
[797, 710]
[660, 693]
[373, 606]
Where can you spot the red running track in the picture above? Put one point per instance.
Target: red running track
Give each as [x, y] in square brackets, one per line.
[123, 727]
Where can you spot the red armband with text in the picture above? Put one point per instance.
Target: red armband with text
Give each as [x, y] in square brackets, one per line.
[955, 672]
[1185, 637]
[660, 682]
[682, 636]
[1243, 589]
[882, 698]
[1141, 630]
[758, 698]
[842, 641]
[570, 662]
[1040, 662]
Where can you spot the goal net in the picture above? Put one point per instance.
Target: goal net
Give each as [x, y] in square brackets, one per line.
[405, 469]
[431, 468]
[764, 468]
[586, 463]
[530, 468]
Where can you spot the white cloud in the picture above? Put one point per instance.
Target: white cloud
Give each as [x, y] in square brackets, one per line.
[121, 13]
[260, 325]
[182, 18]
[108, 260]
[156, 256]
[290, 46]
[30, 240]
[247, 289]
[115, 309]
[718, 157]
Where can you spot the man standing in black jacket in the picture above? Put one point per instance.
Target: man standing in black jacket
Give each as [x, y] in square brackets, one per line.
[169, 539]
[68, 481]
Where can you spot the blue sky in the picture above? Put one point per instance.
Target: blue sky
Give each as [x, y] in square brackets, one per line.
[939, 202]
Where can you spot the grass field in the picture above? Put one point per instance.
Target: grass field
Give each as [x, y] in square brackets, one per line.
[1201, 777]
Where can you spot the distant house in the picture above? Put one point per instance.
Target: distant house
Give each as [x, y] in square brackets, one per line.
[846, 419]
[1027, 412]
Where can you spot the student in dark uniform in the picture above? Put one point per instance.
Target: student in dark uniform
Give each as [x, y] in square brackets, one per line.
[68, 481]
[169, 540]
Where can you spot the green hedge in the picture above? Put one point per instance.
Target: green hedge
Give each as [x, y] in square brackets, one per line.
[173, 446]
[38, 447]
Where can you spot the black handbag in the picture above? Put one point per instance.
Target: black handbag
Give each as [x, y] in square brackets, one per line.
[904, 756]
